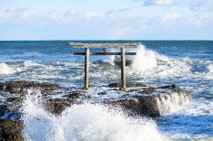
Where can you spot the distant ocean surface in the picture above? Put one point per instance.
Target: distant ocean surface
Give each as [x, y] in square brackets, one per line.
[188, 64]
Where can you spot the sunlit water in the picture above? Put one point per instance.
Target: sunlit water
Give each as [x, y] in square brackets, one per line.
[188, 64]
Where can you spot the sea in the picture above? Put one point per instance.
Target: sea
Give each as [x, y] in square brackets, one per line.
[187, 64]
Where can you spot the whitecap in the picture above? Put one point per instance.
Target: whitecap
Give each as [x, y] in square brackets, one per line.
[86, 122]
[6, 69]
[210, 67]
[145, 59]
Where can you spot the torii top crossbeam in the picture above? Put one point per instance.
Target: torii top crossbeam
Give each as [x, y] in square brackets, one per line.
[122, 46]
[104, 45]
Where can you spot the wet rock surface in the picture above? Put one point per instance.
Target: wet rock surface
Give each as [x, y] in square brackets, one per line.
[116, 84]
[57, 105]
[150, 101]
[19, 87]
[139, 100]
[10, 130]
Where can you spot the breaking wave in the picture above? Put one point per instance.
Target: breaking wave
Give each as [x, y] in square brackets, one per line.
[5, 69]
[145, 59]
[86, 122]
[168, 104]
[210, 67]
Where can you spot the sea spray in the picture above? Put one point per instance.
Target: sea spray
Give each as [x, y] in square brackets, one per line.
[170, 103]
[145, 59]
[210, 67]
[5, 69]
[86, 122]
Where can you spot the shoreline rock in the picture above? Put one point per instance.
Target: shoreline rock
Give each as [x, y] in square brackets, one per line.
[10, 130]
[151, 101]
[20, 87]
[140, 100]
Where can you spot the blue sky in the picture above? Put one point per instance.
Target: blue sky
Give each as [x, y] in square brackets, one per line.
[106, 20]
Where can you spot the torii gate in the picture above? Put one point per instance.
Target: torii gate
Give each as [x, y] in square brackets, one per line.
[122, 47]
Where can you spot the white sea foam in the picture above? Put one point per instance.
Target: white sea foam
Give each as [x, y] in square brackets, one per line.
[145, 59]
[36, 54]
[85, 122]
[198, 108]
[149, 63]
[5, 69]
[210, 67]
[168, 104]
[31, 64]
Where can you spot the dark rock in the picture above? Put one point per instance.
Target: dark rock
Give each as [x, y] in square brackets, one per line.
[20, 87]
[143, 106]
[151, 101]
[149, 90]
[75, 94]
[116, 84]
[56, 106]
[102, 93]
[10, 130]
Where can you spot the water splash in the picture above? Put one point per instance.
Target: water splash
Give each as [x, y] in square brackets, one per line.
[5, 69]
[210, 67]
[170, 103]
[85, 122]
[145, 59]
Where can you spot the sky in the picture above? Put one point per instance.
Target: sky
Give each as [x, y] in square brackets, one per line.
[106, 20]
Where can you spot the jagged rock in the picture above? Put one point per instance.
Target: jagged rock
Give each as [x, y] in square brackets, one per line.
[10, 130]
[20, 87]
[150, 101]
[139, 100]
[56, 106]
[116, 84]
[149, 90]
[13, 93]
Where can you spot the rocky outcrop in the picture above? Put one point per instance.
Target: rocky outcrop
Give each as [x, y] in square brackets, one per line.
[10, 130]
[152, 102]
[116, 84]
[13, 93]
[57, 105]
[138, 100]
[20, 87]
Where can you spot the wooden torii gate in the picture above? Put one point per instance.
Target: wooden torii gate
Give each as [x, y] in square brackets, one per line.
[104, 46]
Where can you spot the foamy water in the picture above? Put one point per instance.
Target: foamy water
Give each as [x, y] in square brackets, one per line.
[145, 59]
[86, 122]
[5, 69]
[169, 104]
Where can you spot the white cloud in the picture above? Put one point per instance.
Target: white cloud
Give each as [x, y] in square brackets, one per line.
[171, 17]
[158, 2]
[92, 15]
[15, 13]
[71, 16]
[195, 5]
[68, 17]
[201, 5]
[198, 21]
[27, 13]
[114, 11]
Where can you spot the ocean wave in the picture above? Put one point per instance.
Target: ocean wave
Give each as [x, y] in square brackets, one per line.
[6, 69]
[33, 54]
[145, 59]
[210, 67]
[87, 122]
[198, 108]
